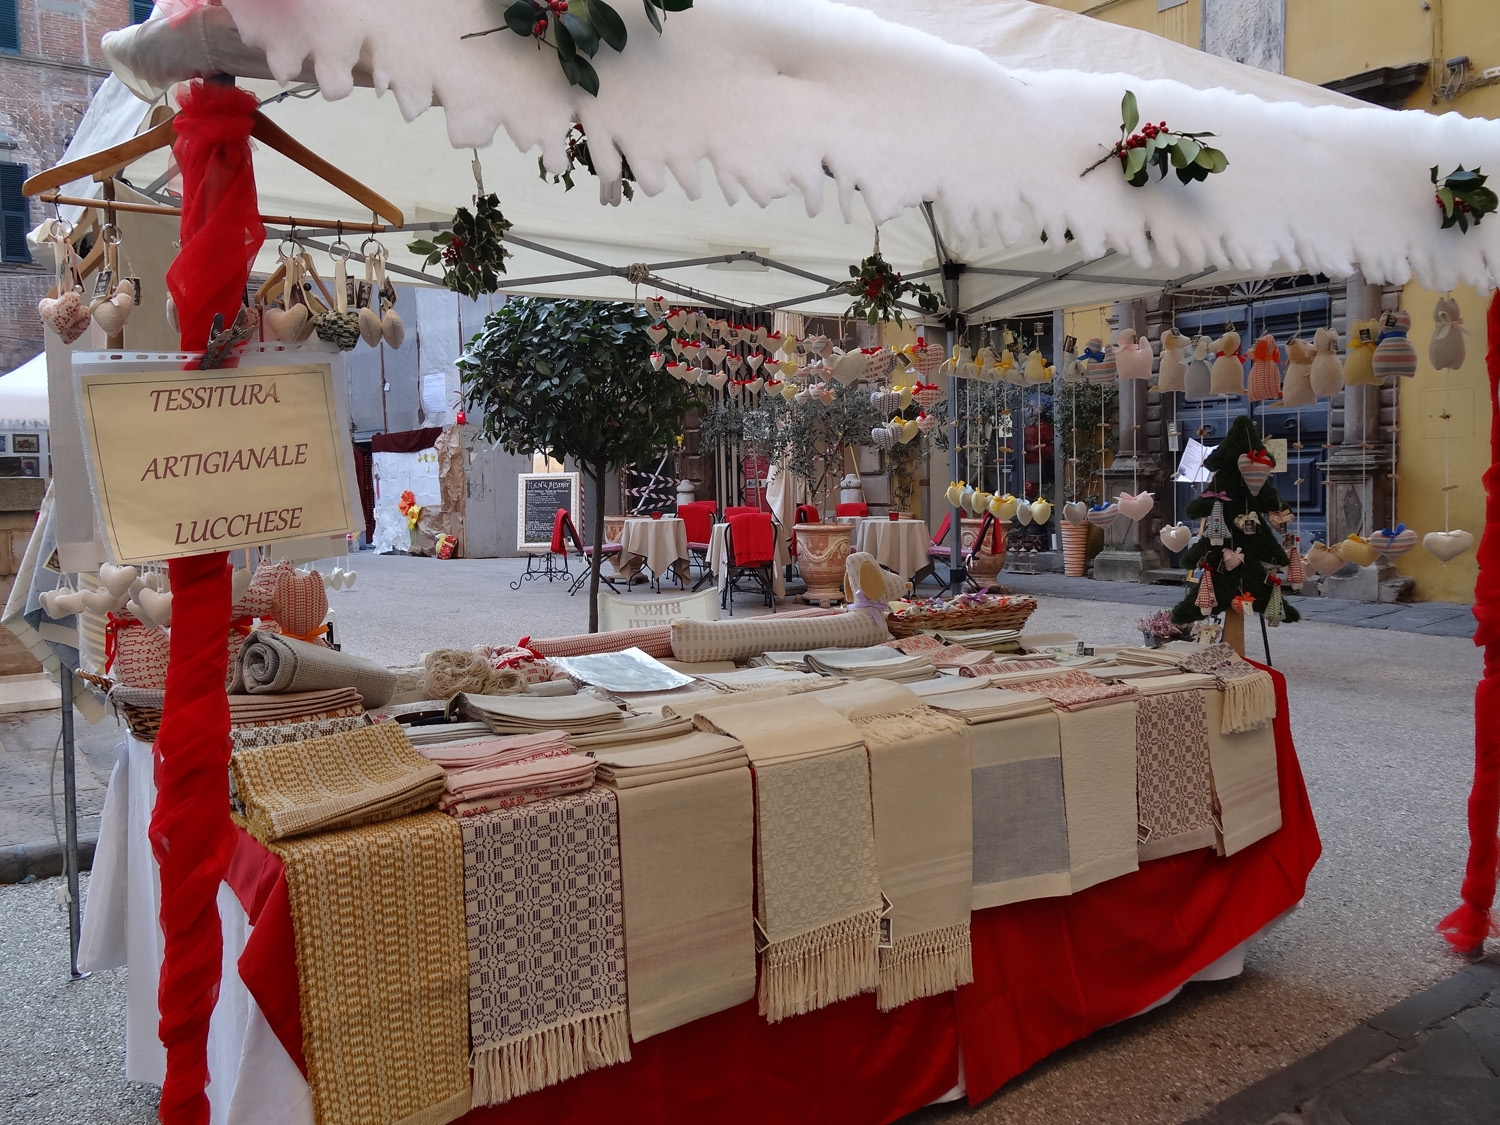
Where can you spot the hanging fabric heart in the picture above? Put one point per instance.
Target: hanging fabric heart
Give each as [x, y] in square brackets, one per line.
[955, 493]
[1232, 558]
[691, 349]
[1004, 507]
[909, 431]
[977, 501]
[718, 380]
[925, 422]
[658, 361]
[1041, 511]
[898, 430]
[1255, 469]
[1176, 537]
[754, 361]
[881, 436]
[1076, 513]
[1023, 513]
[717, 354]
[732, 362]
[1358, 550]
[754, 385]
[927, 357]
[734, 388]
[111, 313]
[1394, 542]
[885, 402]
[1104, 515]
[789, 391]
[658, 306]
[677, 370]
[773, 343]
[65, 314]
[1136, 507]
[1323, 560]
[1447, 545]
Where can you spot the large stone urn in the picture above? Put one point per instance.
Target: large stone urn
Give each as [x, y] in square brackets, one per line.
[821, 551]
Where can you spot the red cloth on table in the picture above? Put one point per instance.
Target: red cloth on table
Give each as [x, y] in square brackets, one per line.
[1468, 926]
[753, 538]
[1046, 973]
[851, 510]
[268, 963]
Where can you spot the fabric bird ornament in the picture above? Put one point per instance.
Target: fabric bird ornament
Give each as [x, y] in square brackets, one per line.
[1197, 380]
[1101, 365]
[1037, 369]
[1327, 373]
[1173, 368]
[1227, 376]
[1359, 362]
[1132, 357]
[1265, 370]
[1394, 353]
[1446, 352]
[1298, 390]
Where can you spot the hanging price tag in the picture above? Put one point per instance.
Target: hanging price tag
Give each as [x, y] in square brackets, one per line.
[104, 283]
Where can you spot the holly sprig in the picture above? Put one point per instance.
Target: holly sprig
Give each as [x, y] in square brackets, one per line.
[472, 252]
[877, 290]
[1158, 146]
[577, 27]
[1463, 197]
[578, 156]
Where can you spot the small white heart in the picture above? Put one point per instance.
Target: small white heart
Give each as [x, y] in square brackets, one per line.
[159, 606]
[60, 603]
[393, 328]
[349, 577]
[135, 610]
[1447, 545]
[101, 601]
[1176, 537]
[117, 579]
[370, 330]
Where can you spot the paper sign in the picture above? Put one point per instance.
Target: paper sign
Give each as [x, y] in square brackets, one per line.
[434, 393]
[1276, 447]
[189, 462]
[1191, 468]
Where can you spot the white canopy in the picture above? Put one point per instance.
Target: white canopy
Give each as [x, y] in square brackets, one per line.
[789, 128]
[23, 395]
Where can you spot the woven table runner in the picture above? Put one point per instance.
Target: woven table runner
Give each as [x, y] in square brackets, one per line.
[358, 777]
[546, 940]
[1075, 690]
[1174, 790]
[271, 734]
[378, 914]
[1246, 789]
[270, 663]
[1249, 693]
[1098, 762]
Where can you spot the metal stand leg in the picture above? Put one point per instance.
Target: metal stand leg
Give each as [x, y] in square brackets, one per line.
[70, 816]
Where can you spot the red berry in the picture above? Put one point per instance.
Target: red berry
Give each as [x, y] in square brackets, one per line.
[539, 28]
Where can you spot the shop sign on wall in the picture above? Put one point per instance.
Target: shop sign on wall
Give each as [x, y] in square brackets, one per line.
[188, 462]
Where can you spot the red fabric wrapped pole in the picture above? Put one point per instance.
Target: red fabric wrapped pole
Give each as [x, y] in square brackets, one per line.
[1468, 926]
[221, 229]
[192, 836]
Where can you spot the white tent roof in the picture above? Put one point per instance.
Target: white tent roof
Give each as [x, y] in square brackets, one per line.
[788, 128]
[23, 395]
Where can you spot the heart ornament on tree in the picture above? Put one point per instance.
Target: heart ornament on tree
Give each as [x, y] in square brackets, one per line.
[1394, 542]
[1176, 537]
[1447, 545]
[1076, 513]
[1232, 558]
[1255, 469]
[1136, 507]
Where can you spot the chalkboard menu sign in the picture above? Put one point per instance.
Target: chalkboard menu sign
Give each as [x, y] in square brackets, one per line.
[539, 495]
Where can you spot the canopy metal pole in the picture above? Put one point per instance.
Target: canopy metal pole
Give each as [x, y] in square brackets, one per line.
[70, 816]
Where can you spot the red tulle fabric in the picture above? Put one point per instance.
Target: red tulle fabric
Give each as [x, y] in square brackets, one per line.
[221, 228]
[192, 836]
[1468, 926]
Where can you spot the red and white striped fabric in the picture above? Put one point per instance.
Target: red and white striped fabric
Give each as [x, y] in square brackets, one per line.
[301, 601]
[654, 641]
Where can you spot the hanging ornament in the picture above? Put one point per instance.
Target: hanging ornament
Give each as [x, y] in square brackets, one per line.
[1076, 513]
[1227, 376]
[1247, 522]
[1104, 515]
[1172, 372]
[1255, 469]
[1447, 350]
[1394, 354]
[1447, 545]
[1197, 380]
[1392, 543]
[954, 492]
[1232, 558]
[1265, 370]
[1357, 549]
[1023, 513]
[1243, 604]
[1132, 358]
[1176, 537]
[1323, 559]
[1205, 600]
[1298, 389]
[1004, 507]
[1101, 362]
[1041, 511]
[1327, 373]
[1296, 573]
[1275, 606]
[1136, 507]
[1359, 363]
[1214, 528]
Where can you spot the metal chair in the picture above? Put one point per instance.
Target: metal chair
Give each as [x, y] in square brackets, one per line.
[749, 552]
[586, 553]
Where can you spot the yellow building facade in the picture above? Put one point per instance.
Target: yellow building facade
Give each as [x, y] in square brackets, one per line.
[1437, 56]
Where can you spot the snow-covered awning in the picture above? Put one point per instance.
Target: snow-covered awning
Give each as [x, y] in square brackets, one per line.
[768, 138]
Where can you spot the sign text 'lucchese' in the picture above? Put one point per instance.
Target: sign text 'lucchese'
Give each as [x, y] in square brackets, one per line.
[190, 462]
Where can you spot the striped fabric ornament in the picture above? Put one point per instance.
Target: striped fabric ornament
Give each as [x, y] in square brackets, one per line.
[1255, 469]
[1205, 599]
[1394, 354]
[1214, 529]
[1275, 608]
[1104, 515]
[1392, 543]
[1296, 573]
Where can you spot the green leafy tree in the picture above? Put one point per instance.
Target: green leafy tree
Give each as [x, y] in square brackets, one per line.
[573, 379]
[1246, 531]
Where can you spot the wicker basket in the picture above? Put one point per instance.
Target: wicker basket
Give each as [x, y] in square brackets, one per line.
[139, 707]
[1000, 612]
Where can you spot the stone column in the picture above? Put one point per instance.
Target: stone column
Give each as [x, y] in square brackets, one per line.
[1134, 547]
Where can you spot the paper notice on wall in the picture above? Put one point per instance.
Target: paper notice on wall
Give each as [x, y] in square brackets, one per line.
[188, 462]
[1191, 468]
[434, 396]
[396, 473]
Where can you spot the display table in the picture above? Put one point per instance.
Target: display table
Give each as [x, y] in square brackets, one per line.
[658, 544]
[1046, 973]
[898, 545]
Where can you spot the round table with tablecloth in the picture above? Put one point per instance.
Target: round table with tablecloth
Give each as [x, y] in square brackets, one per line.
[898, 545]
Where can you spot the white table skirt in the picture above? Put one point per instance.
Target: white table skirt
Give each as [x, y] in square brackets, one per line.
[252, 1079]
[899, 545]
[657, 543]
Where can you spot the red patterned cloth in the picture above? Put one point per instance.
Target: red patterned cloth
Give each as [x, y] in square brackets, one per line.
[1074, 690]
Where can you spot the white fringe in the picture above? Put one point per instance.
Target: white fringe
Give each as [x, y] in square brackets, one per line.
[1249, 702]
[819, 968]
[925, 964]
[544, 1058]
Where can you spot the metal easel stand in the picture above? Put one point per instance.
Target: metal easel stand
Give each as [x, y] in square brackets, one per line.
[70, 818]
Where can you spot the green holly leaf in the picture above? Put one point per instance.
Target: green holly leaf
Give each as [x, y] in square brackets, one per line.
[1483, 199]
[1184, 152]
[1135, 161]
[656, 19]
[1129, 113]
[673, 5]
[585, 38]
[1461, 180]
[608, 24]
[519, 18]
[567, 48]
[1434, 173]
[583, 75]
[1445, 196]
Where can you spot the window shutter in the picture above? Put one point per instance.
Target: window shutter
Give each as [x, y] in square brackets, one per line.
[140, 10]
[10, 25]
[15, 214]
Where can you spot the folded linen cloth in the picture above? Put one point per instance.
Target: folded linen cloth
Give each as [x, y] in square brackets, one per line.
[694, 707]
[246, 710]
[1076, 690]
[1249, 693]
[990, 666]
[1099, 789]
[817, 882]
[1246, 791]
[921, 790]
[1020, 821]
[357, 777]
[995, 640]
[270, 663]
[384, 1007]
[757, 678]
[877, 662]
[492, 750]
[942, 655]
[440, 734]
[546, 954]
[633, 730]
[945, 684]
[746, 637]
[687, 862]
[526, 714]
[540, 774]
[1174, 788]
[989, 705]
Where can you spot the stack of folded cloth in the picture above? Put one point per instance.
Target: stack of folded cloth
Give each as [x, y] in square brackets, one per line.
[269, 720]
[688, 755]
[876, 662]
[1005, 666]
[942, 655]
[759, 677]
[1076, 690]
[988, 705]
[504, 773]
[528, 714]
[436, 734]
[341, 781]
[996, 640]
[634, 729]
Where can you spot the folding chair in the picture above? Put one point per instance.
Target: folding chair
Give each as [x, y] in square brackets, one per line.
[608, 551]
[938, 551]
[851, 510]
[750, 552]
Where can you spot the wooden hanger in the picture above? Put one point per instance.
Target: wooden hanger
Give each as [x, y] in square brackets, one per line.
[263, 129]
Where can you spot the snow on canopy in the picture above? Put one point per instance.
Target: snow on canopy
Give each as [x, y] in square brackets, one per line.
[792, 127]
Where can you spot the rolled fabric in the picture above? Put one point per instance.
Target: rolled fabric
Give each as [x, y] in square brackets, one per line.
[273, 663]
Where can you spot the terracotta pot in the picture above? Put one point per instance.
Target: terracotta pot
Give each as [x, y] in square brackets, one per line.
[614, 527]
[984, 564]
[1075, 546]
[821, 551]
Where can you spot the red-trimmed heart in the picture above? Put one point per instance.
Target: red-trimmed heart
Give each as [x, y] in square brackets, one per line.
[65, 314]
[925, 422]
[1255, 469]
[658, 361]
[928, 357]
[657, 332]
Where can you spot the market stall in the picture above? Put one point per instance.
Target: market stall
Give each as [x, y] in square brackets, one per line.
[853, 968]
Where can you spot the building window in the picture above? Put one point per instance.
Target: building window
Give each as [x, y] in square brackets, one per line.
[140, 10]
[10, 26]
[15, 214]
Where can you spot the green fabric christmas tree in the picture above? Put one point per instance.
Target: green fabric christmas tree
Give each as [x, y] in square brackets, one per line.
[1235, 521]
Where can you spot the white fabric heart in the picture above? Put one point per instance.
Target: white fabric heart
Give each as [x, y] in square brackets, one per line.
[111, 313]
[658, 360]
[101, 601]
[393, 328]
[159, 606]
[286, 325]
[1176, 537]
[61, 603]
[1232, 558]
[1447, 545]
[1136, 507]
[718, 380]
[65, 314]
[117, 579]
[349, 577]
[1023, 512]
[754, 361]
[135, 610]
[1076, 513]
[1041, 511]
[657, 332]
[370, 330]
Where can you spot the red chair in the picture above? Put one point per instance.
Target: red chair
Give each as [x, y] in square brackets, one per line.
[698, 520]
[586, 553]
[852, 510]
[740, 510]
[750, 550]
[938, 551]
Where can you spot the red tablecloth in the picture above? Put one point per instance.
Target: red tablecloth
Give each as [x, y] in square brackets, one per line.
[1046, 973]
